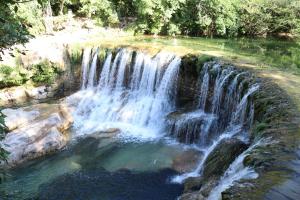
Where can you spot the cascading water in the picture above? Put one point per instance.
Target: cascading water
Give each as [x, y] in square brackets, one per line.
[136, 94]
[132, 100]
[228, 113]
[85, 67]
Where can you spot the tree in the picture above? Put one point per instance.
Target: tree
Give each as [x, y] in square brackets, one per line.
[155, 16]
[102, 10]
[217, 17]
[12, 31]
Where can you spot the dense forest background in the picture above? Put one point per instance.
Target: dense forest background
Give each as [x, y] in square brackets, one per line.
[211, 18]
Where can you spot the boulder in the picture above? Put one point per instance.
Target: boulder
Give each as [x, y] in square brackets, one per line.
[214, 167]
[16, 118]
[64, 111]
[192, 184]
[21, 94]
[43, 135]
[191, 196]
[221, 157]
[13, 95]
[37, 92]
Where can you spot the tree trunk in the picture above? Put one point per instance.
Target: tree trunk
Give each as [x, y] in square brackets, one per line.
[48, 21]
[61, 7]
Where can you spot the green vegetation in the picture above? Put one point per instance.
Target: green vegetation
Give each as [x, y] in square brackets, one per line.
[201, 17]
[3, 153]
[11, 29]
[45, 72]
[10, 76]
[75, 55]
[225, 18]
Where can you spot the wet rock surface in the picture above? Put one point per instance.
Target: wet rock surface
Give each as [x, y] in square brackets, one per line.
[221, 157]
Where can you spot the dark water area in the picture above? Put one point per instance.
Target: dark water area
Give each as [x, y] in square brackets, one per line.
[120, 185]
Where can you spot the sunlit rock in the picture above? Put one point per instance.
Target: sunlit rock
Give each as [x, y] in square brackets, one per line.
[18, 117]
[44, 134]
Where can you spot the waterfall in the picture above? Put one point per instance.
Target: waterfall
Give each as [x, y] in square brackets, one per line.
[133, 98]
[85, 67]
[229, 115]
[137, 95]
[137, 68]
[204, 88]
[235, 172]
[92, 76]
[104, 75]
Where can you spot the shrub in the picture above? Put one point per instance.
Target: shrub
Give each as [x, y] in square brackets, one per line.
[10, 76]
[3, 152]
[75, 53]
[45, 72]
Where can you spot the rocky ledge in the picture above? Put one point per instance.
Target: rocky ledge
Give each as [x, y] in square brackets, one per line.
[35, 131]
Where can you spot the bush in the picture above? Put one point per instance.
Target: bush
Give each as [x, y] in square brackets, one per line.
[45, 72]
[3, 152]
[75, 53]
[12, 76]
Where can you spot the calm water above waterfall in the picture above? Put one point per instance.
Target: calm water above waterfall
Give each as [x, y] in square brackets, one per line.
[132, 97]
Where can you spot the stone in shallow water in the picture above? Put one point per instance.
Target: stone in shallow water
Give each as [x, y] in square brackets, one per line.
[186, 161]
[119, 185]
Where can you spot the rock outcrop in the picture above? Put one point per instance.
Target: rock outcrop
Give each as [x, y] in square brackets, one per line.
[214, 167]
[22, 94]
[38, 132]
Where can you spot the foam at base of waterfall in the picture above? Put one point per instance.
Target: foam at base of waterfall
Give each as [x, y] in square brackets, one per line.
[92, 119]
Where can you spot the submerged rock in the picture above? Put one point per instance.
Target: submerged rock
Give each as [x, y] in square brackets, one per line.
[186, 161]
[44, 134]
[111, 132]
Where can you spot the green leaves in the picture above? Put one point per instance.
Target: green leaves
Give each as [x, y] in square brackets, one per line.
[102, 10]
[45, 72]
[3, 129]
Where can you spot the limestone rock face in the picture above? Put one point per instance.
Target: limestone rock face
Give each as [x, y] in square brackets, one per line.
[39, 132]
[18, 117]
